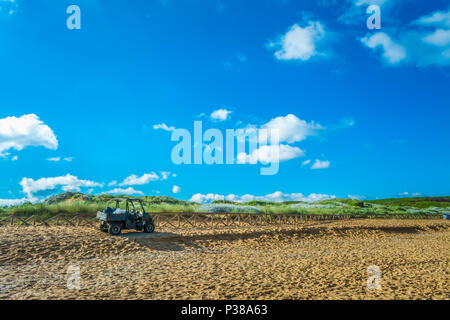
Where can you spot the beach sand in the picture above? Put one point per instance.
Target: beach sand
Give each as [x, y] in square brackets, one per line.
[313, 260]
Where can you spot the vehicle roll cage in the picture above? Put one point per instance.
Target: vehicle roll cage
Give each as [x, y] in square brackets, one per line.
[129, 201]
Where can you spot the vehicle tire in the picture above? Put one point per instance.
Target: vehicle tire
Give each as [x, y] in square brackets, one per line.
[114, 229]
[149, 227]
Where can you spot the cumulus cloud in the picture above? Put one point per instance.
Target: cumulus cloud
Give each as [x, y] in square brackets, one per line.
[291, 129]
[220, 114]
[392, 52]
[67, 183]
[176, 189]
[128, 191]
[136, 180]
[318, 164]
[12, 202]
[426, 42]
[288, 129]
[299, 43]
[163, 126]
[277, 196]
[270, 153]
[28, 130]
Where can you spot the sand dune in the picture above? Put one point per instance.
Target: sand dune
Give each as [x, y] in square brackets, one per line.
[321, 260]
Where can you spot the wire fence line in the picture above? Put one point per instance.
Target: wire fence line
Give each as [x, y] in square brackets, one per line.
[199, 220]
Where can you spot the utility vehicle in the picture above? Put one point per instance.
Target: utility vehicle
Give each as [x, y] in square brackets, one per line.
[132, 217]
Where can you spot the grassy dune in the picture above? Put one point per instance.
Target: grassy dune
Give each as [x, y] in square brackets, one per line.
[74, 203]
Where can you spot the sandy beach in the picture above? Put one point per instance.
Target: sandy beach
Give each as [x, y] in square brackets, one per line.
[313, 260]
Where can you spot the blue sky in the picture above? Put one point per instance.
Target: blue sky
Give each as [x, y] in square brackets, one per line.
[84, 109]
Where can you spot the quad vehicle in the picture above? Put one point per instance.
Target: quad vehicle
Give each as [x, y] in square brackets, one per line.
[114, 220]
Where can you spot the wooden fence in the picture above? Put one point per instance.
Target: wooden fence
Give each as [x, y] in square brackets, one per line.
[197, 220]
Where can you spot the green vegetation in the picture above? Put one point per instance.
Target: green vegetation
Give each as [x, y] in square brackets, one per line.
[75, 203]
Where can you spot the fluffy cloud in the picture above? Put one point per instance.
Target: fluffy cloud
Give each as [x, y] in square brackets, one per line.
[12, 202]
[392, 51]
[135, 180]
[163, 126]
[437, 18]
[271, 153]
[67, 183]
[426, 42]
[277, 196]
[220, 114]
[318, 164]
[291, 129]
[176, 189]
[299, 43]
[128, 191]
[28, 130]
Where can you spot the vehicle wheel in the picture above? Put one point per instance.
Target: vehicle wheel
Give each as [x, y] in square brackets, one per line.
[114, 229]
[149, 227]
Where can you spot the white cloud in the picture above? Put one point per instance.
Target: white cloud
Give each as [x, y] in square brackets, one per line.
[291, 129]
[318, 164]
[306, 162]
[392, 52]
[28, 130]
[439, 37]
[163, 126]
[14, 158]
[12, 202]
[128, 191]
[166, 174]
[271, 153]
[57, 159]
[299, 43]
[220, 114]
[112, 183]
[405, 194]
[67, 183]
[135, 180]
[437, 18]
[176, 189]
[277, 196]
[356, 197]
[425, 43]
